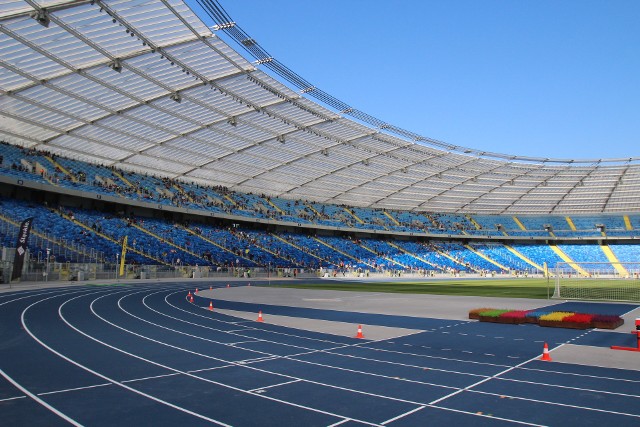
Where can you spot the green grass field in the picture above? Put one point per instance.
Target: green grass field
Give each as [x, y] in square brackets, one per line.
[508, 288]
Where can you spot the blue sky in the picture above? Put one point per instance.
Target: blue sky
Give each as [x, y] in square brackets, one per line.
[540, 78]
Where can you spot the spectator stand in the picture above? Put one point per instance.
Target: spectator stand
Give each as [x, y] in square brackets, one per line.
[423, 263]
[113, 230]
[382, 250]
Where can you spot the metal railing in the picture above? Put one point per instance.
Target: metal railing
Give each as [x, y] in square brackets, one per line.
[58, 248]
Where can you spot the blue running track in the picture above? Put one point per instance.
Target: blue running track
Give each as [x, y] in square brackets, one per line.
[143, 355]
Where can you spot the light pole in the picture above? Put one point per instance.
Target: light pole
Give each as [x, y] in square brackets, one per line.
[117, 264]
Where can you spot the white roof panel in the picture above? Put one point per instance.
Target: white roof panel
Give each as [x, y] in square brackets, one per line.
[147, 86]
[75, 144]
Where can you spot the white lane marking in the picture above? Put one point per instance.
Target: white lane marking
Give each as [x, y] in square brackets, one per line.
[362, 345]
[99, 375]
[346, 420]
[566, 405]
[133, 380]
[434, 406]
[206, 356]
[46, 393]
[18, 385]
[242, 342]
[210, 369]
[428, 356]
[614, 393]
[257, 359]
[406, 364]
[40, 401]
[328, 366]
[208, 318]
[207, 327]
[371, 374]
[578, 375]
[470, 386]
[342, 346]
[153, 377]
[390, 420]
[201, 338]
[255, 390]
[214, 358]
[475, 414]
[12, 398]
[30, 294]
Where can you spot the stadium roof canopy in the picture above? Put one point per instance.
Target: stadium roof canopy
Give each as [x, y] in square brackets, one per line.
[146, 86]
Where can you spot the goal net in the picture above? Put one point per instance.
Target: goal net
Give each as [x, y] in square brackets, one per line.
[597, 281]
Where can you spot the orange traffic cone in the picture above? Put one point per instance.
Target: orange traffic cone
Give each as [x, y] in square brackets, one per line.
[228, 285]
[189, 294]
[359, 335]
[196, 291]
[260, 319]
[210, 305]
[210, 288]
[191, 299]
[545, 353]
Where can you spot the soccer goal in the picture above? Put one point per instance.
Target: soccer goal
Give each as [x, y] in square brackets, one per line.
[597, 281]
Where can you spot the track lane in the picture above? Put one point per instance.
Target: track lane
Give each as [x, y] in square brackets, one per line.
[252, 400]
[324, 359]
[45, 320]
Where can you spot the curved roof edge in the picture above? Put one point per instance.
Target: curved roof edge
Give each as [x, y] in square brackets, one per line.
[224, 22]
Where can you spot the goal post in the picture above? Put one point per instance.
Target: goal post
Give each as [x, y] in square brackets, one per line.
[604, 281]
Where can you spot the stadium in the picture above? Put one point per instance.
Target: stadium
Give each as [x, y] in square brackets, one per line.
[192, 233]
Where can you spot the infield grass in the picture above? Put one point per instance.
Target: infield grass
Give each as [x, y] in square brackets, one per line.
[508, 288]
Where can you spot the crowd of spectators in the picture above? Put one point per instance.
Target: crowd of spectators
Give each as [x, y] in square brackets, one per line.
[219, 198]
